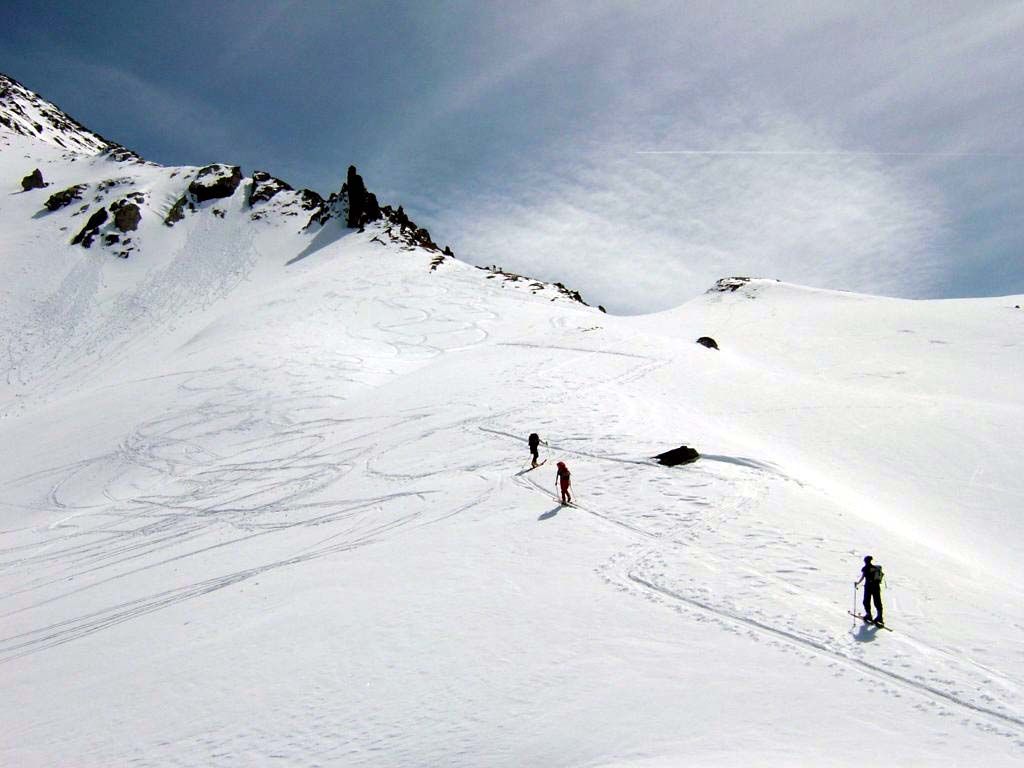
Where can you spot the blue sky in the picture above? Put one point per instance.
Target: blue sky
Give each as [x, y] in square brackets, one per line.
[636, 151]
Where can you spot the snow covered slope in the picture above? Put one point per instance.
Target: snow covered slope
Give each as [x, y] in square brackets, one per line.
[264, 497]
[24, 113]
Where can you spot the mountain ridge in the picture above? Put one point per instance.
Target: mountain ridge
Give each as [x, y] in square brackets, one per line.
[141, 191]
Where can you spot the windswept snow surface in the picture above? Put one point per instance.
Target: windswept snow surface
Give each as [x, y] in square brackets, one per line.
[259, 508]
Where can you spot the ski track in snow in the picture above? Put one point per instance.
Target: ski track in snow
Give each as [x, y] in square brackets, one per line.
[643, 566]
[127, 532]
[250, 473]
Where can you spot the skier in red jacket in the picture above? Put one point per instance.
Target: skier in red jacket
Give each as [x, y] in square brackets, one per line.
[562, 477]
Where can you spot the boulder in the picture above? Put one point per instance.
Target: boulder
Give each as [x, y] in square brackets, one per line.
[707, 341]
[215, 181]
[33, 181]
[126, 215]
[681, 455]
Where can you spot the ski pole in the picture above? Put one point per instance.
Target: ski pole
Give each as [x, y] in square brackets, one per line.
[854, 598]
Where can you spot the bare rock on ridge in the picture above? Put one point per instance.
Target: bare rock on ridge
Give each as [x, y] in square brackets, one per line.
[215, 181]
[362, 205]
[265, 186]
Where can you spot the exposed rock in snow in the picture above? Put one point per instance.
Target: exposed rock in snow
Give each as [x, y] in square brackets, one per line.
[684, 454]
[177, 212]
[728, 284]
[65, 197]
[215, 181]
[362, 205]
[403, 230]
[33, 181]
[89, 231]
[127, 214]
[707, 341]
[536, 286]
[265, 186]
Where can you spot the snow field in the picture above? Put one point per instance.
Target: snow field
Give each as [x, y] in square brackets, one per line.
[258, 507]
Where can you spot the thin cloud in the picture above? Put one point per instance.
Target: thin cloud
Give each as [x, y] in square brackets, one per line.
[639, 233]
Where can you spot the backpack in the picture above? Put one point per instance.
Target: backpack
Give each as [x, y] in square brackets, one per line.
[875, 574]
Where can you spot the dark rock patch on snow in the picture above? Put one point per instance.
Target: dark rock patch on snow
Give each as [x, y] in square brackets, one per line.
[404, 231]
[264, 187]
[91, 228]
[127, 214]
[681, 455]
[33, 181]
[535, 285]
[65, 197]
[177, 212]
[707, 341]
[727, 284]
[215, 181]
[119, 154]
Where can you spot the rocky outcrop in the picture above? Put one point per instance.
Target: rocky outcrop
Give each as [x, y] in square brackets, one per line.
[91, 228]
[215, 181]
[728, 284]
[265, 187]
[177, 212]
[362, 205]
[119, 154]
[33, 181]
[65, 197]
[403, 230]
[535, 286]
[127, 213]
[707, 341]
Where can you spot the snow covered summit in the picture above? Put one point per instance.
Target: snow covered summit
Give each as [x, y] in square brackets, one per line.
[265, 496]
[25, 113]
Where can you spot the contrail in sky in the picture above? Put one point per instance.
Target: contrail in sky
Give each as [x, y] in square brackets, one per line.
[813, 153]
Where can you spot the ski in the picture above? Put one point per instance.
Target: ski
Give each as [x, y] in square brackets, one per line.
[540, 464]
[871, 622]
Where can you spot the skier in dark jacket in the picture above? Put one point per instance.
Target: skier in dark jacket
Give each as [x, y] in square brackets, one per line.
[563, 478]
[871, 575]
[534, 442]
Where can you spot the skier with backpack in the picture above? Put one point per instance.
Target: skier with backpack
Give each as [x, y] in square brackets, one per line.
[534, 441]
[564, 481]
[872, 576]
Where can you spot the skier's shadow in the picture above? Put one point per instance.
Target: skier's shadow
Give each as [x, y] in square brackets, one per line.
[550, 513]
[866, 633]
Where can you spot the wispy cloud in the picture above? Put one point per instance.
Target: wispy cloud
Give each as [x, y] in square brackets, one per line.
[824, 146]
[640, 232]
